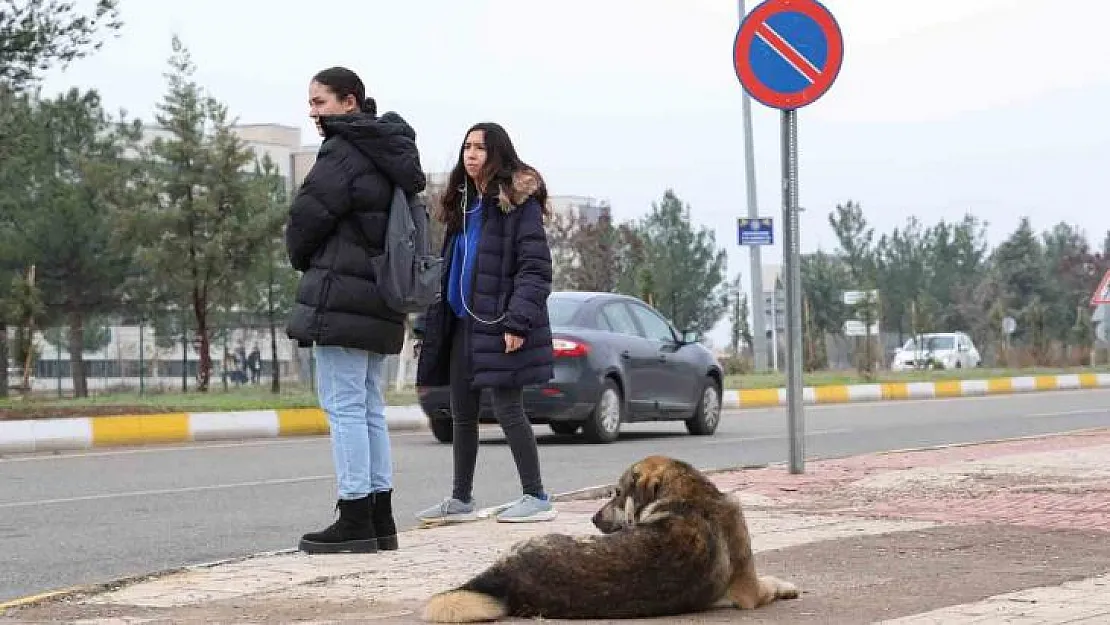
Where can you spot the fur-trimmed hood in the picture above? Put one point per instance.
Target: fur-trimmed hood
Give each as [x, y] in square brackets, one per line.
[525, 183]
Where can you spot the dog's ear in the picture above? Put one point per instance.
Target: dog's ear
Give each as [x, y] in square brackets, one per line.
[647, 487]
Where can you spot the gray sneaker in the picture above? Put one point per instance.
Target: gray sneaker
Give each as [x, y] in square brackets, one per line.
[450, 510]
[527, 509]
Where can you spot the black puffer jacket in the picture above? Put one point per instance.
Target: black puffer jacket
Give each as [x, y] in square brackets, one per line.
[338, 222]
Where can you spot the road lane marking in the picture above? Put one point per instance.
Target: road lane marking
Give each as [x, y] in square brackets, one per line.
[1067, 413]
[166, 491]
[771, 437]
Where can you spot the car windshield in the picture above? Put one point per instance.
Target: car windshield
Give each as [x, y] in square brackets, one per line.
[932, 343]
[561, 310]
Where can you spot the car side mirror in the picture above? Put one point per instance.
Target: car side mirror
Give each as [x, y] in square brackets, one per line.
[690, 337]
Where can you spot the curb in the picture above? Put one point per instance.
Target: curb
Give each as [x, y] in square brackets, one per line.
[891, 391]
[31, 435]
[87, 590]
[601, 491]
[993, 441]
[78, 433]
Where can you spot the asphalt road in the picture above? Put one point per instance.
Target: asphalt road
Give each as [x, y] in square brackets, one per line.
[80, 518]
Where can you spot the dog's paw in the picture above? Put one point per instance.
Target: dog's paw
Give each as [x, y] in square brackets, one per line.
[783, 588]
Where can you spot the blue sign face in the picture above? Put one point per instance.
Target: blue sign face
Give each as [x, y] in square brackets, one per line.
[788, 52]
[755, 231]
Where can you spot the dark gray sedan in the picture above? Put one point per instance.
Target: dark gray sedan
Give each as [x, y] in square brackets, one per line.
[617, 360]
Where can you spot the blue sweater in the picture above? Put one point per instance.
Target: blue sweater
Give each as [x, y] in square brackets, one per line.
[460, 280]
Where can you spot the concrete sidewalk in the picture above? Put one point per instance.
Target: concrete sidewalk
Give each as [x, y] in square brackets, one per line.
[32, 435]
[1008, 532]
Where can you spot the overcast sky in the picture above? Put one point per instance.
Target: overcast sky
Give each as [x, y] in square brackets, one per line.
[994, 107]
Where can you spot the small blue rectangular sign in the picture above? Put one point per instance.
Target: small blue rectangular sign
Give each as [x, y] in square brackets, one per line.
[755, 231]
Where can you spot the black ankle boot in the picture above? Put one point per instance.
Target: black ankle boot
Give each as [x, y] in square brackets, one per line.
[352, 532]
[384, 526]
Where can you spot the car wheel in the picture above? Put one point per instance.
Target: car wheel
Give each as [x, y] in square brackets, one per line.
[707, 416]
[443, 430]
[563, 427]
[604, 424]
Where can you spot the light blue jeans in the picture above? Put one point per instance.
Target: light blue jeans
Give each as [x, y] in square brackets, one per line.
[351, 391]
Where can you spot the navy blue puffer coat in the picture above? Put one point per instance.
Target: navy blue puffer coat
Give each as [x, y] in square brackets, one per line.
[512, 276]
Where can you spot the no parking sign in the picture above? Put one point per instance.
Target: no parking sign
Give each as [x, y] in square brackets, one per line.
[787, 53]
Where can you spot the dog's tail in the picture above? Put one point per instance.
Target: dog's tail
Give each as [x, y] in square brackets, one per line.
[463, 606]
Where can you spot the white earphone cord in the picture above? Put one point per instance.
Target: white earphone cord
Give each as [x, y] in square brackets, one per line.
[462, 292]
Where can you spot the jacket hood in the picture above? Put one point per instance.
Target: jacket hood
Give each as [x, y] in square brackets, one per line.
[525, 183]
[388, 141]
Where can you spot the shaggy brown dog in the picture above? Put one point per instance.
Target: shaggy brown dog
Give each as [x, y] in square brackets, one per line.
[672, 543]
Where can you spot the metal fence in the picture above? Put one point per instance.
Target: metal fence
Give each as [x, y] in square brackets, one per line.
[134, 359]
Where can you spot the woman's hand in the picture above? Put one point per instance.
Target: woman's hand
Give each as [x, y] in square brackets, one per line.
[513, 342]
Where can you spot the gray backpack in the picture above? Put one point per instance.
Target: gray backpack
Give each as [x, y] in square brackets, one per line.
[409, 275]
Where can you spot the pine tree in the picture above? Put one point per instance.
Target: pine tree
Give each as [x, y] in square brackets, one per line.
[685, 266]
[198, 231]
[271, 283]
[741, 332]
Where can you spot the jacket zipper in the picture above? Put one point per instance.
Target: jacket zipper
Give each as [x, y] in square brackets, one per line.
[320, 306]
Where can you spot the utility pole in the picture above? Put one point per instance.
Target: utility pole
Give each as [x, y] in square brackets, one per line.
[759, 333]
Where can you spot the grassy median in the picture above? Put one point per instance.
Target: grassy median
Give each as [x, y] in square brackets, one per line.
[216, 400]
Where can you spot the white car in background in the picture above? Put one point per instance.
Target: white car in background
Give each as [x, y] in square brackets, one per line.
[938, 350]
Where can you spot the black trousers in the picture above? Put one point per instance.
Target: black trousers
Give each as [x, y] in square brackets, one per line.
[508, 408]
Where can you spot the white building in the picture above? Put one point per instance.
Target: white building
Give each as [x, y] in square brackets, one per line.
[589, 208]
[281, 143]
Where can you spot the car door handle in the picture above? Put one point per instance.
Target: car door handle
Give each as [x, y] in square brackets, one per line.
[626, 355]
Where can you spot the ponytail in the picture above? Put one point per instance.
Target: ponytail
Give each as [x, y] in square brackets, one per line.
[370, 107]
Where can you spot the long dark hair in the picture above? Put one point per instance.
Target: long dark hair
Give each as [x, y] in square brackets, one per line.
[502, 162]
[343, 82]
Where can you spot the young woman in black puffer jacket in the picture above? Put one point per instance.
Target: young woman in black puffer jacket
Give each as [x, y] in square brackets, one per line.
[337, 223]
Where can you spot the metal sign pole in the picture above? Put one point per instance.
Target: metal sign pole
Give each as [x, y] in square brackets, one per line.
[792, 262]
[787, 53]
[759, 336]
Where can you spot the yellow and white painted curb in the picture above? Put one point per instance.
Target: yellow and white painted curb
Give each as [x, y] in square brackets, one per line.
[30, 435]
[889, 391]
[78, 433]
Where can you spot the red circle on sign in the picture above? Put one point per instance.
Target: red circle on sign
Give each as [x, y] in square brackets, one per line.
[741, 53]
